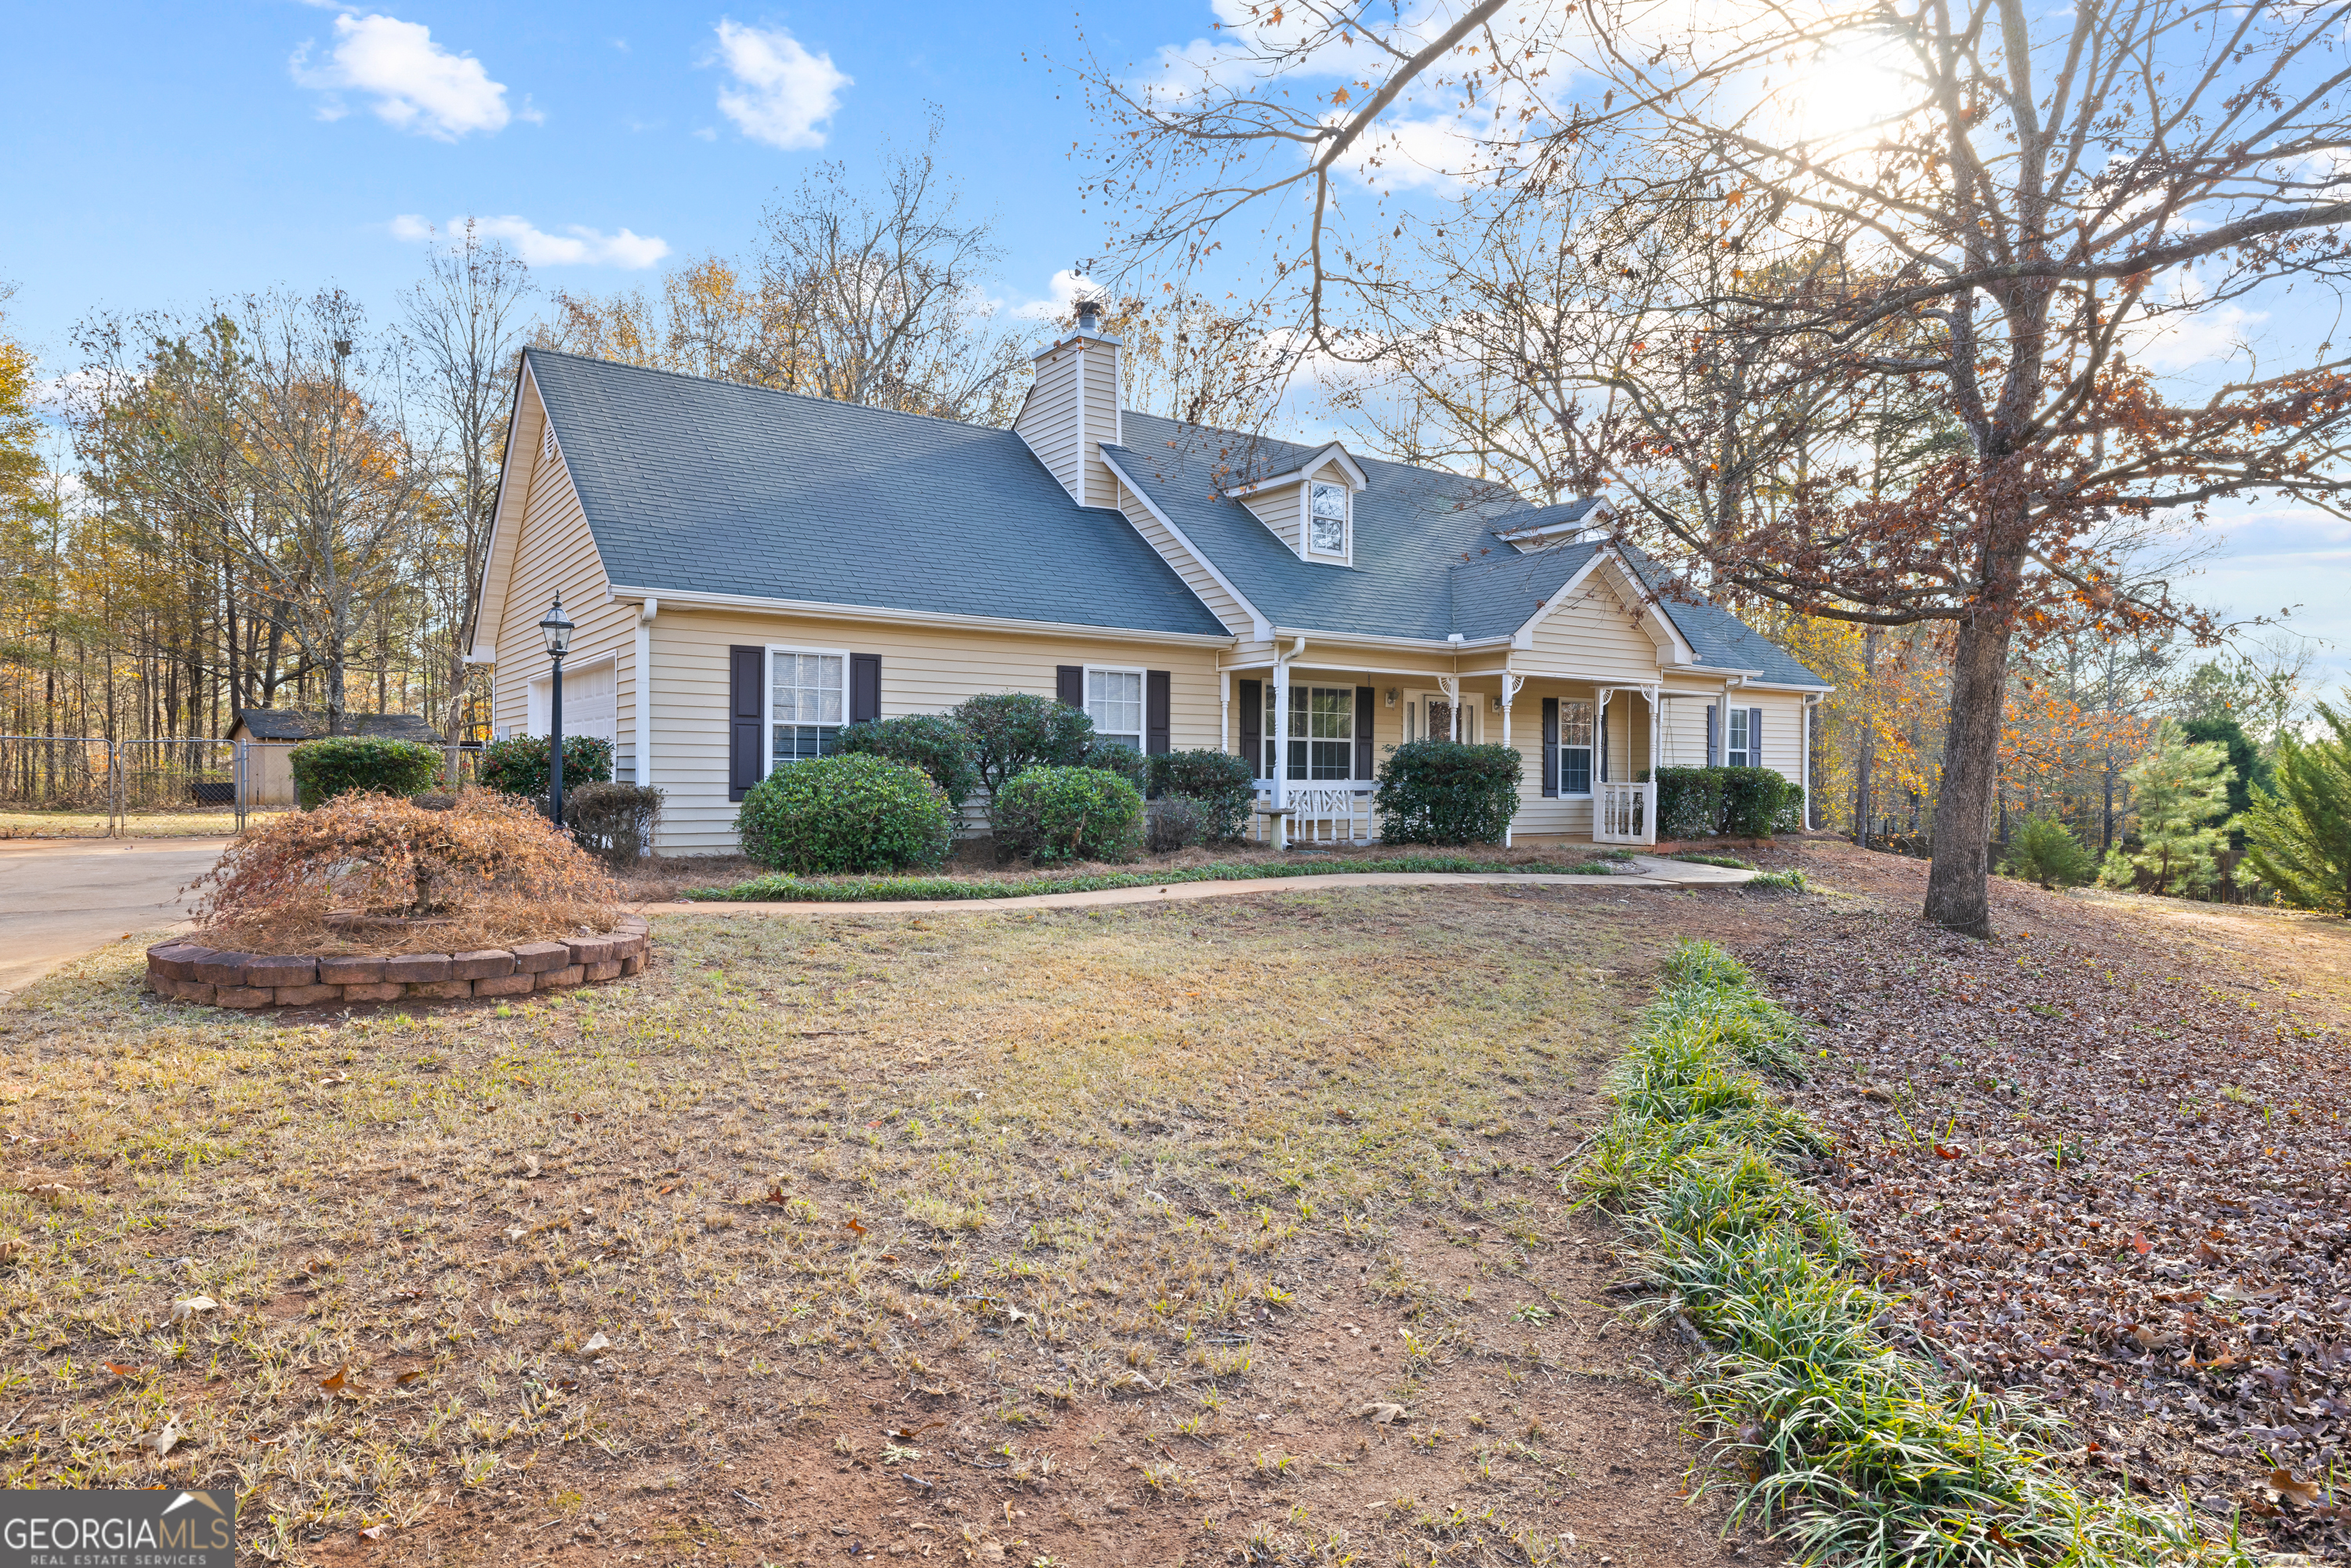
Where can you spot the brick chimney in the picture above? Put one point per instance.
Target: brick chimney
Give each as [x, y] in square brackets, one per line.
[1073, 410]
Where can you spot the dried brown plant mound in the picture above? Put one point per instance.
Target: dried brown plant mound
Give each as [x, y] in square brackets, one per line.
[373, 874]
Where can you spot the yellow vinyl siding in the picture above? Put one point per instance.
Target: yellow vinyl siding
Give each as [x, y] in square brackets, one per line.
[1595, 635]
[553, 548]
[1101, 423]
[924, 670]
[1279, 510]
[1049, 417]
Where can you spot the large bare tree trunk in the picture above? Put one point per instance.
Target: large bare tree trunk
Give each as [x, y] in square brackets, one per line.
[1957, 894]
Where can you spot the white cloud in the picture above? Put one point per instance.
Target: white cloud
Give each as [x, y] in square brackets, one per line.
[417, 85]
[576, 245]
[782, 94]
[2186, 334]
[1066, 290]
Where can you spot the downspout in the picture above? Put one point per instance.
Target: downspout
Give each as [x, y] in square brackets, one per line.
[1282, 740]
[645, 652]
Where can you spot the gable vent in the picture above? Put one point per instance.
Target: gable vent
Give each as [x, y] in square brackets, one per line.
[546, 441]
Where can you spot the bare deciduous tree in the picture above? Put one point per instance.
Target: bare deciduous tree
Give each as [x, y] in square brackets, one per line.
[2019, 200]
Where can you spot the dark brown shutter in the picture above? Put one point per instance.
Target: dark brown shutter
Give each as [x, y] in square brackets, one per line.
[1713, 716]
[1253, 725]
[864, 687]
[1363, 731]
[745, 696]
[1551, 747]
[1159, 698]
[1600, 713]
[1070, 684]
[1755, 737]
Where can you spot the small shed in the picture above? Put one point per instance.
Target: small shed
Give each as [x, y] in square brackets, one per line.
[267, 736]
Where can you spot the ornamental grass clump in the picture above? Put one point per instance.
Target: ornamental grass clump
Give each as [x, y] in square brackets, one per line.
[1851, 1450]
[374, 874]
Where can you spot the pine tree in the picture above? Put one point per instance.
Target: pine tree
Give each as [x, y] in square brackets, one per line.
[2300, 836]
[2182, 793]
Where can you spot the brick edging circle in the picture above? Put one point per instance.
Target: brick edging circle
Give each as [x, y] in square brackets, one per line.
[191, 972]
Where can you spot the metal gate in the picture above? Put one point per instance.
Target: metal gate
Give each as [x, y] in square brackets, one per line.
[68, 787]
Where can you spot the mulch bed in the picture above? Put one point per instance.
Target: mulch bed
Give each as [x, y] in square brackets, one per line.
[2101, 1168]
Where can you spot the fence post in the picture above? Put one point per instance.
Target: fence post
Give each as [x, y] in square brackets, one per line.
[113, 789]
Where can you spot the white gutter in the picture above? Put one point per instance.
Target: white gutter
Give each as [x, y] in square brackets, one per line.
[815, 609]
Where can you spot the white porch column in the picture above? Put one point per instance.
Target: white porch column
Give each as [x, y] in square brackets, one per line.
[1281, 733]
[1451, 686]
[1649, 816]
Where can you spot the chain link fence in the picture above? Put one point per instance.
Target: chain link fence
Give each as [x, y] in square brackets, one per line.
[66, 787]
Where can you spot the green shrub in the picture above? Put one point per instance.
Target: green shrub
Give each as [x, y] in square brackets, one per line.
[1755, 800]
[852, 812]
[1054, 814]
[1012, 732]
[2181, 795]
[1447, 792]
[615, 821]
[2300, 834]
[518, 766]
[1743, 802]
[2045, 851]
[1689, 802]
[1222, 782]
[933, 742]
[1175, 822]
[349, 764]
[1117, 757]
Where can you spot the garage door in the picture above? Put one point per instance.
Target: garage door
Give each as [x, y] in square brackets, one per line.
[588, 702]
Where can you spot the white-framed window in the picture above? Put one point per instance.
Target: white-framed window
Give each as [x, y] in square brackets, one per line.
[1326, 519]
[1115, 702]
[1737, 751]
[1575, 746]
[808, 703]
[1321, 732]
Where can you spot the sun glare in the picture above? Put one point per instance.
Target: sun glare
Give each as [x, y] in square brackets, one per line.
[1848, 90]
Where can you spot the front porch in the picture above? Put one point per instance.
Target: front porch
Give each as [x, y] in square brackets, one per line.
[1316, 735]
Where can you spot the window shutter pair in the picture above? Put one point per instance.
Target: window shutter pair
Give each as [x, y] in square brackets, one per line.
[747, 697]
[1363, 731]
[1550, 748]
[1253, 725]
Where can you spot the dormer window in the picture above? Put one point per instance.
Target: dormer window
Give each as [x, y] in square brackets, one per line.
[1327, 519]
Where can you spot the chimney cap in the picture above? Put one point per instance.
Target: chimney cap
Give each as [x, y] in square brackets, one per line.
[1089, 316]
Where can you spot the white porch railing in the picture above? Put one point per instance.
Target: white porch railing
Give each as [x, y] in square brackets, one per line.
[1318, 814]
[1621, 814]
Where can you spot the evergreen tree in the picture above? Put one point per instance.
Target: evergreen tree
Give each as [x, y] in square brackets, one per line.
[2300, 835]
[2182, 793]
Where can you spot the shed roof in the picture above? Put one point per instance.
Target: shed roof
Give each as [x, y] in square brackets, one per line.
[301, 724]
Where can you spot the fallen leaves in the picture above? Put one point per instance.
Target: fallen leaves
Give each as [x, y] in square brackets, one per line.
[190, 1307]
[2068, 1139]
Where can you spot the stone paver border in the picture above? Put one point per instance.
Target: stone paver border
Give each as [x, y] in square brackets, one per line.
[191, 972]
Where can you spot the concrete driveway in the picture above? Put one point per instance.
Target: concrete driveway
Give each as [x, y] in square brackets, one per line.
[61, 898]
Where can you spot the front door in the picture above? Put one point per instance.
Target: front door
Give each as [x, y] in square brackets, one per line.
[1431, 717]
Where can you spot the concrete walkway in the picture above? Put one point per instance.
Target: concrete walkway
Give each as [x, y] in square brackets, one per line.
[1646, 871]
[61, 898]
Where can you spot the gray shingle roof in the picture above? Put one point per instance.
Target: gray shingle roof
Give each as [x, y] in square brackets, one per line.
[1427, 560]
[704, 486]
[297, 724]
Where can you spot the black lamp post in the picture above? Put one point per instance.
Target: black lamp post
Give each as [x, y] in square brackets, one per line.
[557, 629]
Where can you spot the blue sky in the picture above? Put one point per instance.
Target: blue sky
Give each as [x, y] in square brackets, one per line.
[160, 155]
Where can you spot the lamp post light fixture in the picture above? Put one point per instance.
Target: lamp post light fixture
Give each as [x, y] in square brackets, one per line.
[555, 627]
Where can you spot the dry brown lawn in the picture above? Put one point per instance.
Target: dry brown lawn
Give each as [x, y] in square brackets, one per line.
[1215, 1232]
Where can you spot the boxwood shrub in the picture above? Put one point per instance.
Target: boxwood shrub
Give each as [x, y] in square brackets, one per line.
[933, 742]
[1447, 792]
[349, 764]
[1013, 731]
[1689, 802]
[853, 811]
[1052, 815]
[1221, 782]
[1117, 757]
[518, 766]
